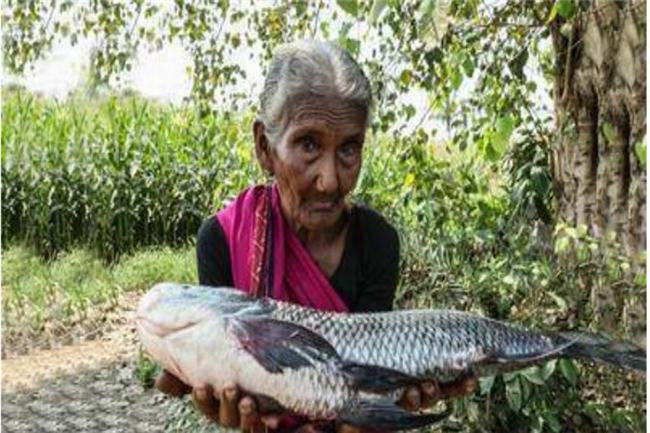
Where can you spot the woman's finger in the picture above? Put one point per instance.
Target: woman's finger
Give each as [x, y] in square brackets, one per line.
[411, 399]
[228, 412]
[272, 422]
[307, 428]
[169, 384]
[204, 400]
[459, 388]
[249, 420]
[430, 393]
[347, 428]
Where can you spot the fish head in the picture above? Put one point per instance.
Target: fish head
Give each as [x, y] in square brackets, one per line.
[172, 318]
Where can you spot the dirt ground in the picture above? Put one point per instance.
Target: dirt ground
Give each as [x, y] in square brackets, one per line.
[88, 386]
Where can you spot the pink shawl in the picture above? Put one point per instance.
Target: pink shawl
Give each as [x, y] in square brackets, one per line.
[266, 256]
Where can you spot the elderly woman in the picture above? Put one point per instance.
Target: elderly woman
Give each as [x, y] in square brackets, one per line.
[299, 239]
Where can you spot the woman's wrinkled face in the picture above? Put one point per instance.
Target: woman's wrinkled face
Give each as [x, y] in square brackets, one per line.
[316, 161]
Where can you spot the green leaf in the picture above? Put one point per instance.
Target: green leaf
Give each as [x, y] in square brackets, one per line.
[565, 8]
[533, 375]
[552, 14]
[352, 45]
[349, 6]
[562, 244]
[569, 371]
[405, 77]
[513, 395]
[640, 152]
[504, 127]
[468, 66]
[426, 8]
[548, 369]
[485, 384]
[552, 422]
[456, 78]
[608, 131]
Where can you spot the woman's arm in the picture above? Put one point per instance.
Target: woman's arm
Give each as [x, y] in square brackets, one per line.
[212, 255]
[381, 274]
[379, 253]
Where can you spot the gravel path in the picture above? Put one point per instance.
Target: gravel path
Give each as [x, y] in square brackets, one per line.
[104, 400]
[89, 387]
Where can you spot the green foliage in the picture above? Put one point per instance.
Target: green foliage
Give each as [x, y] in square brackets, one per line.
[146, 370]
[40, 296]
[640, 152]
[435, 46]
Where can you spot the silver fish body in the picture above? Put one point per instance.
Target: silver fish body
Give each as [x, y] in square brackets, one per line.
[342, 366]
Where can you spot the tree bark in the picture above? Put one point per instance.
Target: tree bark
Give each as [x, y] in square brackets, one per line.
[600, 99]
[598, 179]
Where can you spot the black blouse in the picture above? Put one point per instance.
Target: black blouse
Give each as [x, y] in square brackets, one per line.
[366, 277]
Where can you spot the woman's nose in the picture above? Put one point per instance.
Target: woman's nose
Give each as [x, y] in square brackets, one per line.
[327, 181]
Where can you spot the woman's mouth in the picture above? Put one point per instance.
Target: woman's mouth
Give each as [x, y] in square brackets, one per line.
[325, 206]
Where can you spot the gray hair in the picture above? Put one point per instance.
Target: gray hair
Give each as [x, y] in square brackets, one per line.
[307, 68]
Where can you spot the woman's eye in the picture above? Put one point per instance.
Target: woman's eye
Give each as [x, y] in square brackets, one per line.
[349, 149]
[308, 144]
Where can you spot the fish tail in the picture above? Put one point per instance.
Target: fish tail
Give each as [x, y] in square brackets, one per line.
[604, 350]
[386, 415]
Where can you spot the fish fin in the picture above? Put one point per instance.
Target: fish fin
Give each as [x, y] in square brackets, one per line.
[372, 378]
[277, 344]
[386, 415]
[495, 362]
[581, 345]
[268, 405]
[603, 349]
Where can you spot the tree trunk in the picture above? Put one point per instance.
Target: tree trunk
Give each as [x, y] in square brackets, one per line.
[599, 181]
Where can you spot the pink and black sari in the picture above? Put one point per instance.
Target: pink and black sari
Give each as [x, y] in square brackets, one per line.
[266, 256]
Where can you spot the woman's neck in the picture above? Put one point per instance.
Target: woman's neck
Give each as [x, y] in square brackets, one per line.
[324, 237]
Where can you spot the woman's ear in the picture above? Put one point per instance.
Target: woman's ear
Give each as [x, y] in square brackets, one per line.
[262, 146]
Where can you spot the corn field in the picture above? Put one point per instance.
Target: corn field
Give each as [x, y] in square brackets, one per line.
[116, 175]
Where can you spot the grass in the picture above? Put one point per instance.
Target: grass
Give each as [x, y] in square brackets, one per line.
[37, 293]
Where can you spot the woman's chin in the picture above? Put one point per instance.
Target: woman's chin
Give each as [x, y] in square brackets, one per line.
[317, 221]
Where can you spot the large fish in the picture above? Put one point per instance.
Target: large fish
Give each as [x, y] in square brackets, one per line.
[346, 367]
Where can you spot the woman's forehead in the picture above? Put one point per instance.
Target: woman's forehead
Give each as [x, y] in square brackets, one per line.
[327, 113]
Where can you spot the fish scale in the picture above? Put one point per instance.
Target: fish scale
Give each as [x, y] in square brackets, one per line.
[350, 367]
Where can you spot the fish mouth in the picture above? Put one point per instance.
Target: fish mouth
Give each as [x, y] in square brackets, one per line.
[152, 335]
[160, 330]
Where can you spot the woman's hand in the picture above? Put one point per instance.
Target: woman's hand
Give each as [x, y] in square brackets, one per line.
[429, 392]
[228, 408]
[414, 398]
